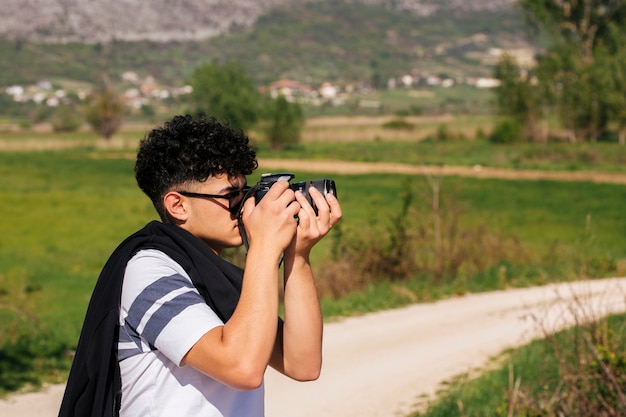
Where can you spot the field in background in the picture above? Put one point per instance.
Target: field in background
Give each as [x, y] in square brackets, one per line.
[65, 210]
[420, 140]
[373, 128]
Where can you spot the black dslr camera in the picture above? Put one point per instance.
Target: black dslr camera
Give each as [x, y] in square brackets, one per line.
[325, 186]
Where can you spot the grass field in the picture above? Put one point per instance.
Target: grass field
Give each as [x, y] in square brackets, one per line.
[64, 211]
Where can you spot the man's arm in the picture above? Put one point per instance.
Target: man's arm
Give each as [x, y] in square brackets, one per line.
[298, 350]
[237, 354]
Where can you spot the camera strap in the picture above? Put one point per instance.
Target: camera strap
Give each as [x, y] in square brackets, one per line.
[242, 228]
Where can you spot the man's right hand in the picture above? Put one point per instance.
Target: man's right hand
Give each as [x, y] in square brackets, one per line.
[272, 223]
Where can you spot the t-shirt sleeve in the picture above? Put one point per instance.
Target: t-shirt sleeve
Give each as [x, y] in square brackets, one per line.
[161, 309]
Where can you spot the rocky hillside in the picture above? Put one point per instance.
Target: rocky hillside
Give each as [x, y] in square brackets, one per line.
[172, 20]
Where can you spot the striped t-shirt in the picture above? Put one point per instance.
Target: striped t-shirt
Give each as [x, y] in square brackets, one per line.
[162, 316]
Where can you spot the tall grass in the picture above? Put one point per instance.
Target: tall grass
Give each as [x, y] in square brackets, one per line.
[482, 231]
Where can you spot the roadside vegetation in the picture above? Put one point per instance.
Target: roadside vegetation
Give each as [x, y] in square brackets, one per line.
[576, 372]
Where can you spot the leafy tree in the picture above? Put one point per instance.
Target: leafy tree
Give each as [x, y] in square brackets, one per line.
[579, 75]
[585, 23]
[284, 122]
[561, 78]
[507, 131]
[517, 98]
[105, 110]
[65, 119]
[614, 64]
[226, 93]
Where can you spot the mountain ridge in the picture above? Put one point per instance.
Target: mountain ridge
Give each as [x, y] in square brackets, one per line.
[95, 21]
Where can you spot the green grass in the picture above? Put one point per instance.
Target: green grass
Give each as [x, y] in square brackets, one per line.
[64, 212]
[62, 215]
[486, 395]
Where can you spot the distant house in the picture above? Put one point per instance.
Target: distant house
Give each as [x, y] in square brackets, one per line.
[487, 83]
[148, 85]
[328, 91]
[289, 89]
[524, 57]
[17, 92]
[433, 80]
[447, 83]
[130, 76]
[407, 80]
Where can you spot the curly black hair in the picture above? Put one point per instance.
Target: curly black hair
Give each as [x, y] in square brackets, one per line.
[187, 150]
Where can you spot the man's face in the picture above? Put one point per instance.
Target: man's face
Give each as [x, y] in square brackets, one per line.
[210, 218]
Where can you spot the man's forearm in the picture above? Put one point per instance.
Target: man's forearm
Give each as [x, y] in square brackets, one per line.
[303, 326]
[237, 353]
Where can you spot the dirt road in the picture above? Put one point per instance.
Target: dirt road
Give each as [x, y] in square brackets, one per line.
[477, 171]
[384, 364]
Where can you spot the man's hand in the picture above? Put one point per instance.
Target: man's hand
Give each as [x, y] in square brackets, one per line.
[313, 227]
[272, 223]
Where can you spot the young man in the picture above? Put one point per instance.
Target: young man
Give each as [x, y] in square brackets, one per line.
[173, 328]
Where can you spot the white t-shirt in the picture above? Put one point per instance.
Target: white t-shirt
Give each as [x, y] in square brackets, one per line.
[162, 316]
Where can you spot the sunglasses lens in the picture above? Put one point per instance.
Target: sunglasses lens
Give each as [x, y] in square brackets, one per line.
[236, 200]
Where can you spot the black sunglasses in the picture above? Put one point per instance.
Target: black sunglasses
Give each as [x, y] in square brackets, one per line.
[234, 198]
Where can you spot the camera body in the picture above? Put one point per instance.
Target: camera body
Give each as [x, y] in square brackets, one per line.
[323, 185]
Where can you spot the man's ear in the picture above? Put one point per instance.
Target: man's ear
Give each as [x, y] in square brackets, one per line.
[175, 206]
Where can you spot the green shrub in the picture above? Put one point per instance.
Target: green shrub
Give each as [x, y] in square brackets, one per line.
[65, 119]
[422, 238]
[507, 131]
[398, 124]
[30, 353]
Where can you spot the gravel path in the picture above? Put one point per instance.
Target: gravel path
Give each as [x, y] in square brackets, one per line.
[385, 364]
[477, 171]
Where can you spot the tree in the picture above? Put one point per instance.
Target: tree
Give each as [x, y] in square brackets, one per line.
[585, 23]
[613, 62]
[617, 96]
[226, 93]
[561, 78]
[65, 119]
[517, 98]
[284, 122]
[574, 75]
[105, 110]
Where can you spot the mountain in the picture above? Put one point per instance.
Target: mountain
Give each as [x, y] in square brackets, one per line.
[177, 20]
[315, 41]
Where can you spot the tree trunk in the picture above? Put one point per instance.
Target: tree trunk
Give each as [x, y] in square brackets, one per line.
[571, 136]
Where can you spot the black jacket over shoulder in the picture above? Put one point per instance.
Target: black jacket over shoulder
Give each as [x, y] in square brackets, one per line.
[94, 384]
